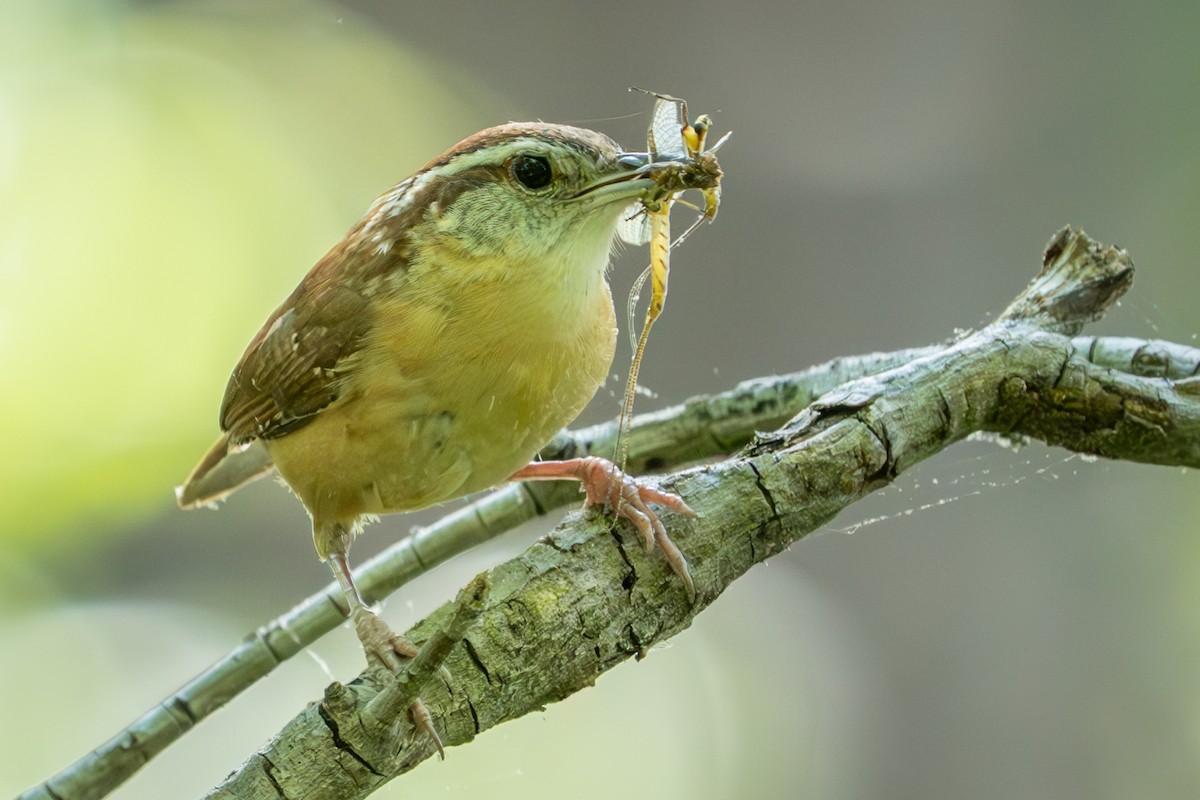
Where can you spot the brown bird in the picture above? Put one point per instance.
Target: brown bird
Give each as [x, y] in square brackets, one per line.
[456, 327]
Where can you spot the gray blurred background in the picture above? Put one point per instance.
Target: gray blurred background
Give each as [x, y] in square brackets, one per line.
[1006, 624]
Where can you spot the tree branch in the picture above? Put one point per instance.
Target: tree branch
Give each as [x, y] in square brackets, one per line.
[704, 427]
[585, 598]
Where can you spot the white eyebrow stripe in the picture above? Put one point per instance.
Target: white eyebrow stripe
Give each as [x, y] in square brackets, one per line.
[494, 153]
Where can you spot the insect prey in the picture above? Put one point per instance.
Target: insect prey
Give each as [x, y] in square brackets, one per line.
[679, 161]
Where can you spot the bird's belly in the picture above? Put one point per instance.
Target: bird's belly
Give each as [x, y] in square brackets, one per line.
[422, 427]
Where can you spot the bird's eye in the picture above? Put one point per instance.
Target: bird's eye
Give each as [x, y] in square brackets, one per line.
[532, 172]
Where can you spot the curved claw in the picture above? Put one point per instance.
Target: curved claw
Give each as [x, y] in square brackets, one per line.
[423, 722]
[604, 484]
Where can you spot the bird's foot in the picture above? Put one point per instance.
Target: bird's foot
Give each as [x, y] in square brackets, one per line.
[383, 646]
[390, 650]
[604, 484]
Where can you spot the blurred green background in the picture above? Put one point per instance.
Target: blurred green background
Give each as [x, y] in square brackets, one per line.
[168, 171]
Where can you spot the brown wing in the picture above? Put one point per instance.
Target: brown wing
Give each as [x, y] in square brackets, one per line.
[296, 364]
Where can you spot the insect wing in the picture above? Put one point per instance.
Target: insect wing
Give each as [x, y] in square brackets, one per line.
[665, 138]
[634, 227]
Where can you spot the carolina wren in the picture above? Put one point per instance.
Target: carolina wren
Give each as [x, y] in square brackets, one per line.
[455, 328]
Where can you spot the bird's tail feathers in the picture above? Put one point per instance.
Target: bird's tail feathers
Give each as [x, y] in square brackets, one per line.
[222, 471]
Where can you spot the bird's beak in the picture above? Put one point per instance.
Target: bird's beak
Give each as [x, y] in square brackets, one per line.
[632, 175]
[636, 176]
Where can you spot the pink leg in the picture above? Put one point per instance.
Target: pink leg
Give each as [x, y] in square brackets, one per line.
[604, 484]
[381, 645]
